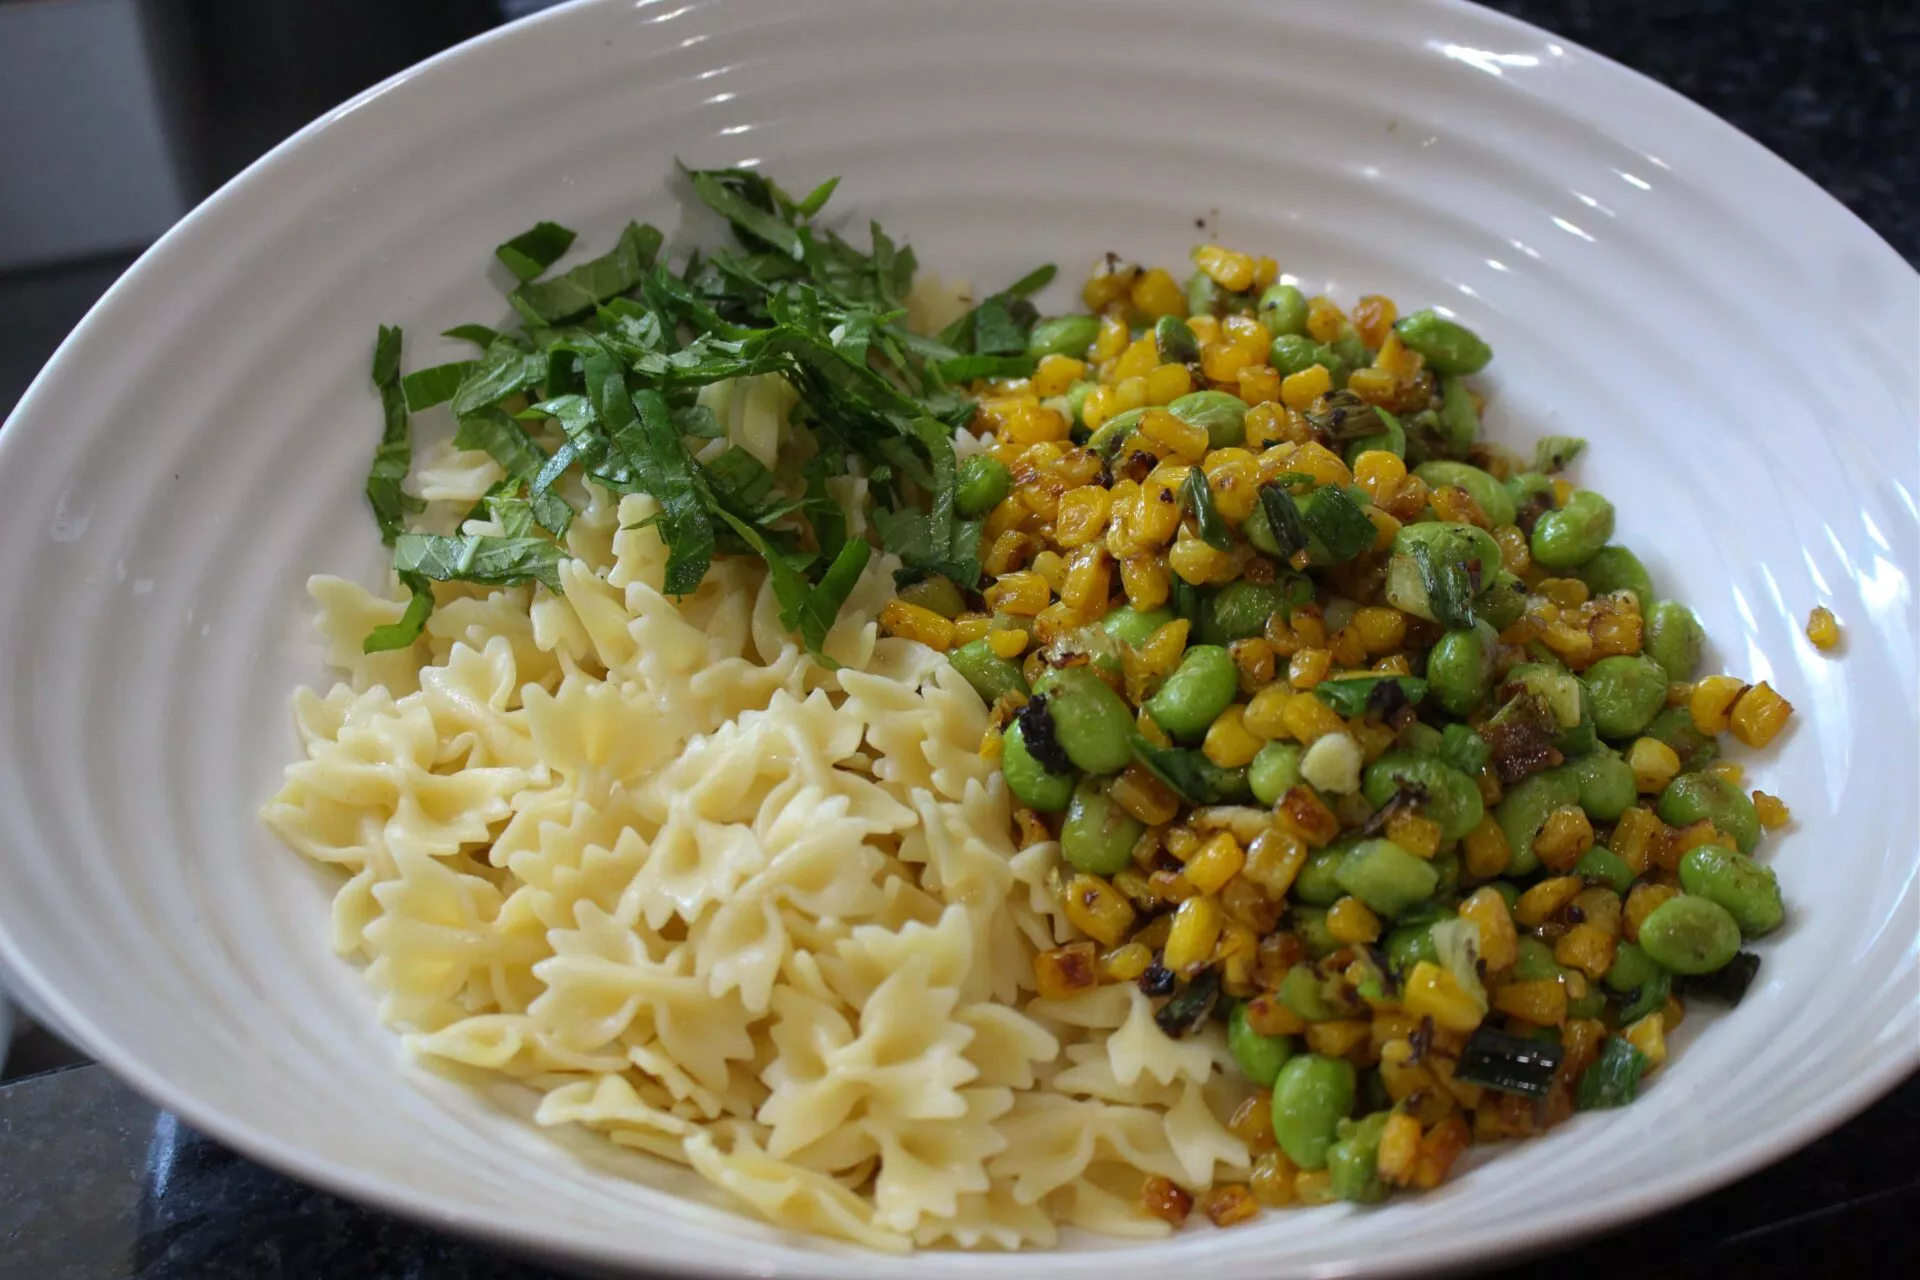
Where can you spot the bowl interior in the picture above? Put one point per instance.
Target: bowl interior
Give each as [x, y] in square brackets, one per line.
[1648, 279]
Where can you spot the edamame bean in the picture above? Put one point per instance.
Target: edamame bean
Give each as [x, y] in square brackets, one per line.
[1063, 336]
[1091, 722]
[1693, 796]
[1131, 627]
[1283, 309]
[1749, 892]
[1293, 353]
[1174, 342]
[1241, 609]
[1458, 422]
[1386, 877]
[1603, 864]
[1445, 545]
[1690, 935]
[1275, 771]
[1311, 924]
[1624, 694]
[983, 483]
[1098, 836]
[1529, 488]
[1311, 1096]
[1446, 865]
[1351, 353]
[1077, 400]
[1392, 440]
[1028, 779]
[1259, 1057]
[1354, 1159]
[1424, 739]
[1674, 726]
[1205, 297]
[1494, 501]
[1449, 346]
[1226, 786]
[1460, 668]
[1606, 784]
[1318, 884]
[1409, 944]
[936, 593]
[1524, 809]
[990, 674]
[1560, 689]
[1509, 892]
[1631, 969]
[1570, 536]
[1222, 414]
[1447, 796]
[1535, 962]
[1502, 601]
[1302, 990]
[1200, 688]
[1674, 638]
[1615, 568]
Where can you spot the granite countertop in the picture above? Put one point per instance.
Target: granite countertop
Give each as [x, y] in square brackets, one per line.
[96, 1184]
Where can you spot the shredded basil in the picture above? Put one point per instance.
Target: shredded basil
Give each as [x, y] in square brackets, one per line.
[530, 253]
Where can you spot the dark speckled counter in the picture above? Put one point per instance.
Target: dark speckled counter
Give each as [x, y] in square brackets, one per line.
[95, 1184]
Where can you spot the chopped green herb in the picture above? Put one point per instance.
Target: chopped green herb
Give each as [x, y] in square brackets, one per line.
[1613, 1079]
[1197, 497]
[530, 253]
[393, 458]
[1283, 517]
[426, 388]
[1356, 695]
[398, 635]
[480, 558]
[1337, 523]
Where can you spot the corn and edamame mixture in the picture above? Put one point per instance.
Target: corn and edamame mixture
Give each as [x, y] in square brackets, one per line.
[1355, 730]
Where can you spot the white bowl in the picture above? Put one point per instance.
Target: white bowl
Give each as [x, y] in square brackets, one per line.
[1739, 348]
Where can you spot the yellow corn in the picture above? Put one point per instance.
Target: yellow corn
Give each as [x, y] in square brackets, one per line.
[1634, 837]
[1309, 667]
[1167, 383]
[1562, 492]
[1299, 390]
[1125, 963]
[1183, 439]
[1324, 465]
[1023, 593]
[1205, 328]
[1156, 517]
[1114, 334]
[969, 627]
[1543, 1003]
[1546, 900]
[1728, 771]
[1082, 515]
[1130, 393]
[1654, 765]
[1267, 425]
[1711, 703]
[1259, 384]
[1381, 629]
[1772, 810]
[1236, 489]
[1641, 901]
[1306, 719]
[1353, 922]
[1499, 942]
[1008, 643]
[1224, 361]
[1274, 860]
[1419, 836]
[1064, 971]
[1486, 853]
[1035, 424]
[1197, 561]
[1564, 836]
[1144, 796]
[1089, 580]
[1051, 568]
[1325, 320]
[1146, 581]
[1649, 1036]
[1196, 928]
[1156, 293]
[1432, 992]
[1373, 318]
[1272, 1180]
[1217, 861]
[1098, 909]
[1759, 715]
[912, 622]
[1056, 373]
[1338, 1038]
[1399, 1149]
[1231, 271]
[1228, 742]
[1587, 948]
[1823, 629]
[1263, 715]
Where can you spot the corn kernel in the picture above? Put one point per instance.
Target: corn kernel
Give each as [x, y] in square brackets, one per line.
[1125, 963]
[1543, 1003]
[1418, 835]
[1196, 928]
[1056, 373]
[1146, 581]
[1587, 948]
[1163, 1200]
[1140, 358]
[1562, 491]
[1163, 649]
[1082, 515]
[912, 622]
[1063, 971]
[1274, 860]
[1156, 293]
[1156, 516]
[1167, 383]
[1772, 810]
[1373, 318]
[1097, 909]
[1304, 813]
[1635, 837]
[1654, 765]
[1114, 334]
[1272, 1181]
[1249, 334]
[969, 627]
[1230, 270]
[1309, 667]
[1313, 1186]
[1338, 1038]
[1439, 1149]
[1206, 328]
[1223, 361]
[1023, 593]
[1144, 796]
[1228, 742]
[1486, 852]
[1499, 942]
[1316, 460]
[1197, 561]
[1649, 1036]
[1229, 1205]
[1728, 771]
[1089, 581]
[1217, 861]
[1259, 384]
[1564, 836]
[1306, 719]
[1353, 922]
[1008, 643]
[1051, 569]
[1823, 629]
[1325, 321]
[1235, 486]
[1268, 424]
[1641, 901]
[1299, 390]
[1672, 1012]
[1035, 424]
[1263, 714]
[1546, 900]
[1454, 505]
[1711, 703]
[1759, 715]
[1433, 992]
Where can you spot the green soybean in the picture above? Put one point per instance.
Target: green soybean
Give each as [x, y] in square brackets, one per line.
[1392, 440]
[1606, 784]
[1624, 694]
[1603, 864]
[1460, 668]
[1200, 688]
[1458, 422]
[1674, 638]
[1615, 568]
[1494, 501]
[1535, 962]
[1749, 892]
[1353, 1161]
[1509, 892]
[1449, 346]
[1502, 601]
[1693, 796]
[1524, 809]
[1560, 688]
[1205, 297]
[1311, 924]
[1293, 353]
[982, 484]
[1386, 877]
[1098, 836]
[1063, 336]
[1241, 609]
[1572, 535]
[1091, 722]
[990, 674]
[1317, 883]
[1223, 415]
[1283, 309]
[936, 593]
[1674, 726]
[1131, 627]
[1077, 400]
[1690, 935]
[1631, 969]
[1311, 1096]
[1448, 796]
[1275, 771]
[1028, 779]
[1528, 488]
[1409, 944]
[1445, 545]
[1260, 1057]
[1446, 867]
[1174, 342]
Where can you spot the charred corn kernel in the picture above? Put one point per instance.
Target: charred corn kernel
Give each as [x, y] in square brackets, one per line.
[1236, 489]
[1634, 837]
[1347, 648]
[1304, 813]
[1125, 963]
[1299, 390]
[1113, 336]
[1564, 836]
[1265, 271]
[1181, 842]
[1259, 384]
[1055, 374]
[1572, 645]
[1307, 719]
[1272, 1180]
[1568, 593]
[1375, 739]
[1267, 425]
[1138, 360]
[1499, 942]
[1156, 516]
[1146, 581]
[1728, 771]
[1654, 765]
[1772, 810]
[1759, 715]
[1228, 742]
[1394, 665]
[1164, 647]
[1309, 667]
[1711, 703]
[1325, 320]
[1230, 270]
[1167, 383]
[1108, 283]
[1649, 1036]
[1156, 293]
[1007, 553]
[1097, 408]
[1089, 580]
[1035, 424]
[1375, 386]
[1162, 1199]
[1263, 715]
[1195, 560]
[1373, 318]
[1098, 909]
[1823, 629]
[1167, 887]
[1641, 900]
[1338, 1038]
[1144, 796]
[1432, 992]
[1384, 526]
[1587, 948]
[1274, 860]
[1229, 1205]
[1063, 971]
[1418, 835]
[1379, 473]
[1691, 836]
[1024, 593]
[1543, 1003]
[1222, 361]
[1397, 358]
[1455, 505]
[1217, 861]
[1196, 928]
[1439, 1149]
[1399, 1149]
[1562, 491]
[1082, 515]
[1353, 922]
[1546, 900]
[1515, 554]
[1598, 906]
[912, 622]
